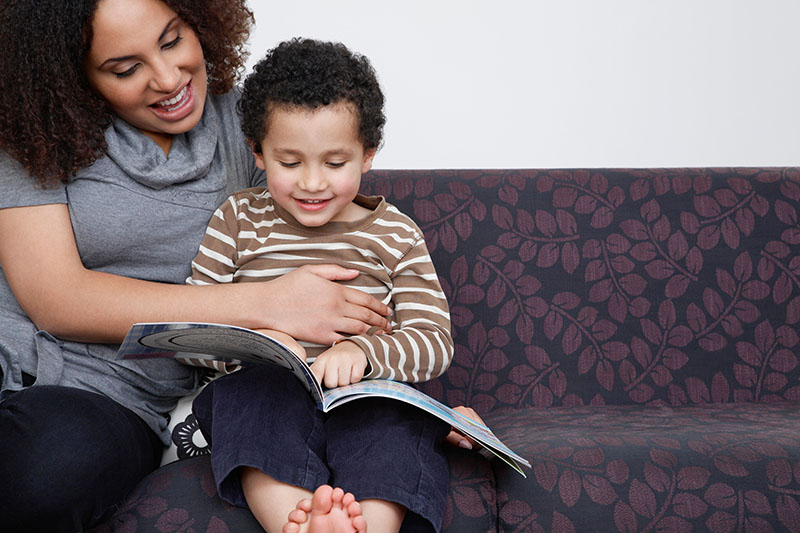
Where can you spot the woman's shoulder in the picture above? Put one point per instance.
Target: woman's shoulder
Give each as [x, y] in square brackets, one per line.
[20, 190]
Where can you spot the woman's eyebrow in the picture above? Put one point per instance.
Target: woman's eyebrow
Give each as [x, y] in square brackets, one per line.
[125, 58]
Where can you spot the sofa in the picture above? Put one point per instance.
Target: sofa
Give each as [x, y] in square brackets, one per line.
[633, 333]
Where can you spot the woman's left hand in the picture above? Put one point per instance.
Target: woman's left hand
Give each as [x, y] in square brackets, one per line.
[457, 439]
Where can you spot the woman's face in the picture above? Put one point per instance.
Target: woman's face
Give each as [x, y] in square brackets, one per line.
[148, 64]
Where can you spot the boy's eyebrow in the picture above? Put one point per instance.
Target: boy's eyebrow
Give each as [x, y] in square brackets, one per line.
[327, 153]
[125, 58]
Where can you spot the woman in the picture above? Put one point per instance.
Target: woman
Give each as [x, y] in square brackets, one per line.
[118, 139]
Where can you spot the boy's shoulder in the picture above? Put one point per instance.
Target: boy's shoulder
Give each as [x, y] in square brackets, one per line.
[252, 194]
[391, 214]
[253, 197]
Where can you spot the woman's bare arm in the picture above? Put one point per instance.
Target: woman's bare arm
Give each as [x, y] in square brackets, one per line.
[40, 260]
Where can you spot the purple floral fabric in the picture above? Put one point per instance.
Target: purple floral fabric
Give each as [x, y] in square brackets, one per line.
[182, 497]
[594, 287]
[633, 333]
[712, 467]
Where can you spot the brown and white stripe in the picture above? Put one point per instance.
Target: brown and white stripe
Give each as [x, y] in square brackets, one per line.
[251, 238]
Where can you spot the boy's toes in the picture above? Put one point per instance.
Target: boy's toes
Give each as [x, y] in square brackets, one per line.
[322, 500]
[298, 516]
[360, 524]
[291, 527]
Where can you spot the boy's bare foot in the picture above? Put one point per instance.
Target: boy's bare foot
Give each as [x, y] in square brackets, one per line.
[328, 511]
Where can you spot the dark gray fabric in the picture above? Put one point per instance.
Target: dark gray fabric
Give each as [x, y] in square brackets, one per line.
[137, 213]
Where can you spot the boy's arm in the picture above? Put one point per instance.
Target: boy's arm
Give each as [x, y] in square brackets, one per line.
[215, 262]
[216, 259]
[420, 346]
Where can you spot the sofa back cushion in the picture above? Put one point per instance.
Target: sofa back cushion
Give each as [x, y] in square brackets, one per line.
[677, 286]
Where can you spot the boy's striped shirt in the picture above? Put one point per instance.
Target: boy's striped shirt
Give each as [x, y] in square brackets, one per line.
[251, 238]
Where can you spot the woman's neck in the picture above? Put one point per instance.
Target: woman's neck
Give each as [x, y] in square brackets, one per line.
[163, 140]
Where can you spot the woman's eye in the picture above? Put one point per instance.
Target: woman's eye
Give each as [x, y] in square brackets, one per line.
[126, 73]
[173, 42]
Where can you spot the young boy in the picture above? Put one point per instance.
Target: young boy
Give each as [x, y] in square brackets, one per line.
[313, 113]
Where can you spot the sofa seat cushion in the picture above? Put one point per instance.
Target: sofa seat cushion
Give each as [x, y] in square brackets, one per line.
[723, 467]
[181, 496]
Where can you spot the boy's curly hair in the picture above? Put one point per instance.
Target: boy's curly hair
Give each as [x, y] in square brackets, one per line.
[51, 120]
[310, 74]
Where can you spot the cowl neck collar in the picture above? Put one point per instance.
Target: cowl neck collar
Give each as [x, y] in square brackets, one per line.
[145, 162]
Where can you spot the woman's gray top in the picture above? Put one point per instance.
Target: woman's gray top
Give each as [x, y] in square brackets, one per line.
[136, 213]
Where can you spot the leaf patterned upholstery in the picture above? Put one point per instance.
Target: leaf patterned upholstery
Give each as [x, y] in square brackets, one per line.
[634, 333]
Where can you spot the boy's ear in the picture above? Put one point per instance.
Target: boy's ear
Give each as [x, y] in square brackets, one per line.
[369, 155]
[258, 156]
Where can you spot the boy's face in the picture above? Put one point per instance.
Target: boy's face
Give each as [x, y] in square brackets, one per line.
[314, 161]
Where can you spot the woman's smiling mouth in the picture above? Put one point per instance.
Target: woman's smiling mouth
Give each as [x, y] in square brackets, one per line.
[170, 103]
[176, 107]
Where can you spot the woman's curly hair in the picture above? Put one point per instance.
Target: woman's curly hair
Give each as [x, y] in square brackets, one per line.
[309, 74]
[51, 120]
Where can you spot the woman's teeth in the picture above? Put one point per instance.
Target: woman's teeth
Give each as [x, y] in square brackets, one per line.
[174, 100]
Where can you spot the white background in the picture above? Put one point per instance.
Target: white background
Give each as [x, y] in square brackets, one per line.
[569, 83]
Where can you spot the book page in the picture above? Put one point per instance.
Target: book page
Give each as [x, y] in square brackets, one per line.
[214, 341]
[406, 393]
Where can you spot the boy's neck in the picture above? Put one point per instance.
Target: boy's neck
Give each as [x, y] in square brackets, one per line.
[354, 213]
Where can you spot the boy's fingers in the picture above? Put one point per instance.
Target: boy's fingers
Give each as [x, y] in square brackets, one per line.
[330, 377]
[356, 374]
[345, 371]
[318, 369]
[457, 439]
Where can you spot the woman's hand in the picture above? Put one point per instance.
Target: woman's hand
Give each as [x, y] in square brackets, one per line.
[457, 439]
[307, 304]
[40, 260]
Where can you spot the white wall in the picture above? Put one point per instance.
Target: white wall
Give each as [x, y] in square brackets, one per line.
[569, 83]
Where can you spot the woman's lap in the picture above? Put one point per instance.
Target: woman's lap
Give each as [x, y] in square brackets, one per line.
[373, 448]
[69, 457]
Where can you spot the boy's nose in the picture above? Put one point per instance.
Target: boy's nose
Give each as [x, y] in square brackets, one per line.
[313, 181]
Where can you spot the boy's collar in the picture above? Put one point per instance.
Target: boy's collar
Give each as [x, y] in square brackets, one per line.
[376, 204]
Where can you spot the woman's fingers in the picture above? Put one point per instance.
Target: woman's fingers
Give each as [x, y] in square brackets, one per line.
[350, 303]
[309, 304]
[353, 296]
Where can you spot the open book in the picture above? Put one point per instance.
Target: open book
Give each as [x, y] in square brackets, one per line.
[231, 343]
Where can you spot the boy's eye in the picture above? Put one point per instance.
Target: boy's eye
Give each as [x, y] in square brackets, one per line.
[336, 165]
[288, 164]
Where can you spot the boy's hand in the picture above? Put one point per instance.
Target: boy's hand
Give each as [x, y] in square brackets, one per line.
[340, 365]
[457, 439]
[286, 340]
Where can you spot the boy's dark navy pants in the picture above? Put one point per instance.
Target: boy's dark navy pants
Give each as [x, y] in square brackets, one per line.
[375, 448]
